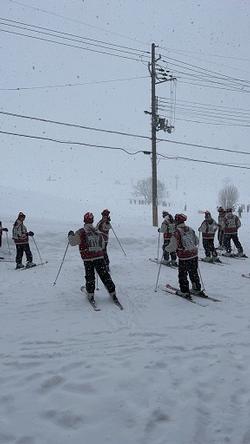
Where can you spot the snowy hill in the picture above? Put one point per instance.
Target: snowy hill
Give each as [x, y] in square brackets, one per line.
[161, 371]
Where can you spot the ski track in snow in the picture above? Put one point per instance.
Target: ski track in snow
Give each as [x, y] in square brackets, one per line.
[162, 371]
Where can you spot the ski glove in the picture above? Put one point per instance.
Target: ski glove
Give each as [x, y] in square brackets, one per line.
[159, 230]
[71, 233]
[30, 233]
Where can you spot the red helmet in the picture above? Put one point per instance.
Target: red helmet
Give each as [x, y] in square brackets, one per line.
[105, 212]
[180, 218]
[88, 218]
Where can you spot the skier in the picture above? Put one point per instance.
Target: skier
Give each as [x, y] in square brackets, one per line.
[20, 235]
[231, 223]
[184, 241]
[240, 209]
[1, 232]
[167, 228]
[104, 226]
[221, 216]
[91, 247]
[208, 229]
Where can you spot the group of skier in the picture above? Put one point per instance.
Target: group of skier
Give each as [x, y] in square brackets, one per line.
[180, 240]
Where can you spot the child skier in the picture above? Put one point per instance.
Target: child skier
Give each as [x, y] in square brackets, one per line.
[104, 226]
[20, 235]
[91, 247]
[208, 229]
[184, 241]
[230, 225]
[167, 228]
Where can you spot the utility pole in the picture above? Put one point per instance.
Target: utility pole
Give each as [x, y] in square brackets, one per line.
[153, 139]
[158, 123]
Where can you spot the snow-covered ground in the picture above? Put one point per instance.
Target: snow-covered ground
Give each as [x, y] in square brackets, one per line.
[161, 371]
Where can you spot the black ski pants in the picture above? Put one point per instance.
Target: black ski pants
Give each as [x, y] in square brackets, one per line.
[100, 267]
[20, 249]
[106, 258]
[221, 237]
[235, 239]
[166, 253]
[189, 268]
[208, 245]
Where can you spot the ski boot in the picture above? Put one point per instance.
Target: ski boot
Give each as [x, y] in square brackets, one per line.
[198, 293]
[30, 264]
[184, 294]
[207, 259]
[174, 264]
[18, 266]
[217, 259]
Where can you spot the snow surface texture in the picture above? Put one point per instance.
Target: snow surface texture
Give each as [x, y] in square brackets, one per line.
[162, 371]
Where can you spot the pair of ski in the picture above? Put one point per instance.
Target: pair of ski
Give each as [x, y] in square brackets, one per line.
[157, 261]
[219, 262]
[32, 266]
[174, 291]
[234, 256]
[93, 302]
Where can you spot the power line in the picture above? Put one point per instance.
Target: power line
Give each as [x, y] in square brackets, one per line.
[70, 45]
[199, 69]
[122, 133]
[69, 142]
[49, 139]
[73, 84]
[70, 36]
[79, 21]
[190, 159]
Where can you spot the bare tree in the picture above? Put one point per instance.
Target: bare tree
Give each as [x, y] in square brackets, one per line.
[228, 196]
[144, 188]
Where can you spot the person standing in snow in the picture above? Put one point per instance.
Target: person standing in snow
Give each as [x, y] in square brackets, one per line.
[1, 232]
[208, 229]
[20, 235]
[230, 225]
[104, 226]
[185, 242]
[91, 246]
[167, 228]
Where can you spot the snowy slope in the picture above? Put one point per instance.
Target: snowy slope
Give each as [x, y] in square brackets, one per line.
[162, 371]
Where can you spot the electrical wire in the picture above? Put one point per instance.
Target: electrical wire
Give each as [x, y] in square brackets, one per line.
[71, 46]
[140, 136]
[70, 36]
[79, 21]
[73, 84]
[67, 142]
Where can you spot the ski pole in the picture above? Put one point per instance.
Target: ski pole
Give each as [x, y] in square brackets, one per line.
[202, 283]
[158, 245]
[59, 271]
[158, 274]
[7, 238]
[41, 261]
[97, 281]
[118, 241]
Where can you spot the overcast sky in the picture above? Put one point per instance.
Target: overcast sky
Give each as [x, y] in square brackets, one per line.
[112, 93]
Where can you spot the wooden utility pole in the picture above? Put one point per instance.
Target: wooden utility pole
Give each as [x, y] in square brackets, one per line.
[153, 139]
